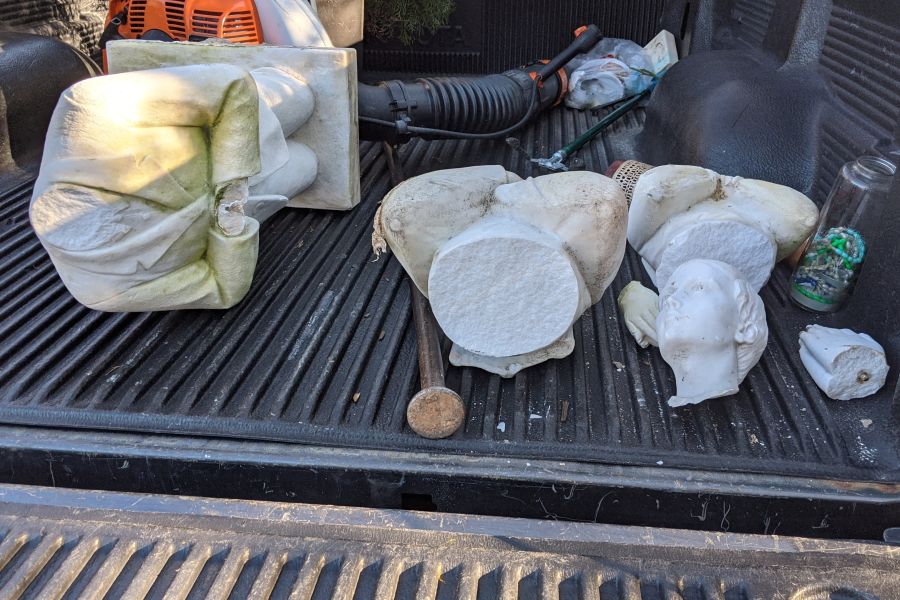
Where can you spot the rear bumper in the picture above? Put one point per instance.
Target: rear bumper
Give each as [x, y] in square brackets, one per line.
[96, 543]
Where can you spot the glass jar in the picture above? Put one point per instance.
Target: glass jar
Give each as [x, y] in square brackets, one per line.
[826, 274]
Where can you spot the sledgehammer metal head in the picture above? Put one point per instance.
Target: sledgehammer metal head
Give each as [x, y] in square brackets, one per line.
[435, 412]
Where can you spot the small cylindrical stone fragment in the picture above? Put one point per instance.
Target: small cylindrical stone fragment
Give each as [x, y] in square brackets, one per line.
[843, 363]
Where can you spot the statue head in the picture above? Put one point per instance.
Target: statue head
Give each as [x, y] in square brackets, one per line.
[711, 328]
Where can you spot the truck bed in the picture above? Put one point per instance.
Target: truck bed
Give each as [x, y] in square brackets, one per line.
[322, 351]
[299, 392]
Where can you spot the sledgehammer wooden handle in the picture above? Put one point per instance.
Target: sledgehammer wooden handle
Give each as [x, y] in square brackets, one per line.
[435, 411]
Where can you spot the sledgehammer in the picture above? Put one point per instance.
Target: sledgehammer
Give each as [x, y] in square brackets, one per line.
[435, 411]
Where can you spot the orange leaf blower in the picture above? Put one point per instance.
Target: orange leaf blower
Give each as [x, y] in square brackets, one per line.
[194, 20]
[281, 22]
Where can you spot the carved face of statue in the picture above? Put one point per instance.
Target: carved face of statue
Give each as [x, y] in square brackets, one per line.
[697, 311]
[711, 329]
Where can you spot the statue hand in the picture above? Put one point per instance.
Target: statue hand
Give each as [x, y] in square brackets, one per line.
[640, 307]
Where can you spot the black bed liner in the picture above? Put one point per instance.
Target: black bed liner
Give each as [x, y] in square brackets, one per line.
[325, 321]
[67, 544]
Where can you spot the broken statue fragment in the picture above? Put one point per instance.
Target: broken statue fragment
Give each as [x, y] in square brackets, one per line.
[682, 212]
[711, 329]
[508, 265]
[152, 183]
[308, 112]
[640, 308]
[709, 243]
[844, 364]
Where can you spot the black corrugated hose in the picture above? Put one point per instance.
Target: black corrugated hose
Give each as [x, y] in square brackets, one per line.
[486, 107]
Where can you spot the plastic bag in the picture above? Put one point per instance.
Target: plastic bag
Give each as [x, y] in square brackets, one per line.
[607, 73]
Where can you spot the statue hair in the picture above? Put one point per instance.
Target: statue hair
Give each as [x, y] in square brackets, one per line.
[753, 332]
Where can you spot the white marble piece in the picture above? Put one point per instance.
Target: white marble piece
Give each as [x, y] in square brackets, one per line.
[508, 265]
[709, 243]
[711, 329]
[844, 364]
[508, 366]
[288, 167]
[640, 309]
[297, 173]
[140, 201]
[682, 238]
[682, 212]
[290, 99]
[331, 132]
[504, 288]
[291, 23]
[421, 214]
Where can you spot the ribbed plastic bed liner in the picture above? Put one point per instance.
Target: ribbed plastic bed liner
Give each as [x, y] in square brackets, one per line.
[322, 351]
[65, 544]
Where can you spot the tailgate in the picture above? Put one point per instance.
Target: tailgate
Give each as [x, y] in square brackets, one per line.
[63, 543]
